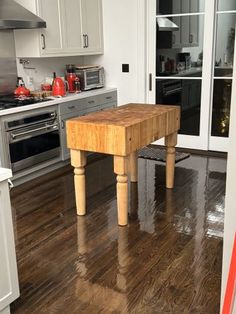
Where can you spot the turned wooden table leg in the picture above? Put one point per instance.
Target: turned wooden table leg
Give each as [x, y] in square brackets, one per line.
[170, 142]
[78, 161]
[121, 169]
[133, 166]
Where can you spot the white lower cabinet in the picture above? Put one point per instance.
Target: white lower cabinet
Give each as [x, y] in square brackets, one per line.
[74, 27]
[9, 287]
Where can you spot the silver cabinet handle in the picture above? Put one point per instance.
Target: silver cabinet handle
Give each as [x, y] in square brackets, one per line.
[43, 42]
[84, 41]
[71, 107]
[109, 97]
[87, 41]
[91, 102]
[191, 38]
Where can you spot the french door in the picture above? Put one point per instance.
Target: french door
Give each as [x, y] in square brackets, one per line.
[190, 61]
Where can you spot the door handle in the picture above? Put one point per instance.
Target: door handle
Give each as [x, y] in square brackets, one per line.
[150, 82]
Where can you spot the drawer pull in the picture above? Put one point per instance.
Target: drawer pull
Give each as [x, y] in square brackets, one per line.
[43, 42]
[109, 97]
[91, 102]
[71, 107]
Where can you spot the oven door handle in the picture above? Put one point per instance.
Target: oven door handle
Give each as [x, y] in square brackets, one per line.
[46, 127]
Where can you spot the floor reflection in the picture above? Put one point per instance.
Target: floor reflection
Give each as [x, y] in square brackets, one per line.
[167, 260]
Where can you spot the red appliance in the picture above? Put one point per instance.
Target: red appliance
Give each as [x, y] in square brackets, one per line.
[22, 91]
[58, 86]
[71, 78]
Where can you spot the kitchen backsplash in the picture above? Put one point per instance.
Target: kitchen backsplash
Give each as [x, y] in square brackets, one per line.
[37, 69]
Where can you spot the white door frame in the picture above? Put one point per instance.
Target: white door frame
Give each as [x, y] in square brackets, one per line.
[204, 141]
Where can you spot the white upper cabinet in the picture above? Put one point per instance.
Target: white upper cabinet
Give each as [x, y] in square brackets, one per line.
[194, 24]
[176, 36]
[51, 37]
[92, 25]
[74, 27]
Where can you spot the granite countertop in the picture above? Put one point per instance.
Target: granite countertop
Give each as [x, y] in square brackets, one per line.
[56, 100]
[5, 174]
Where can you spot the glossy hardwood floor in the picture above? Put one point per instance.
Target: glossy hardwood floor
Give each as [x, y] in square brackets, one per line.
[168, 260]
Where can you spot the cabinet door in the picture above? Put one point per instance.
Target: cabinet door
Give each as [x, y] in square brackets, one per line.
[51, 37]
[194, 23]
[72, 26]
[9, 289]
[176, 38]
[92, 25]
[185, 20]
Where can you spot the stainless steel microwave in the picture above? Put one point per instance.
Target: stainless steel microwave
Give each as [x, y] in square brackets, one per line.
[91, 77]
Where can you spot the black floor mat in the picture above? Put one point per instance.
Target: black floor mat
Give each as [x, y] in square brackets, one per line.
[155, 153]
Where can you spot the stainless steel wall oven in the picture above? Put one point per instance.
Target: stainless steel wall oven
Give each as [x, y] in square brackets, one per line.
[32, 138]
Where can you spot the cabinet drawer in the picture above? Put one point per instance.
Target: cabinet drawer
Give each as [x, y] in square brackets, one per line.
[106, 98]
[98, 100]
[87, 103]
[71, 107]
[76, 106]
[107, 106]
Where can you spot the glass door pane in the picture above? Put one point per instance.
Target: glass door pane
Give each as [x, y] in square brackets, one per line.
[226, 5]
[167, 7]
[223, 73]
[179, 61]
[225, 37]
[221, 107]
[185, 93]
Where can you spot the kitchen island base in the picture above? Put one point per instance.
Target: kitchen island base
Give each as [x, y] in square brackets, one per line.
[121, 132]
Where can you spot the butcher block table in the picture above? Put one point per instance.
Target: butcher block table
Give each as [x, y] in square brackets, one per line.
[121, 132]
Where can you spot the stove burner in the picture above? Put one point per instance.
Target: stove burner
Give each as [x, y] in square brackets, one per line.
[10, 101]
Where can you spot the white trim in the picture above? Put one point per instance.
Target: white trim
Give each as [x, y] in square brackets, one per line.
[151, 47]
[219, 144]
[208, 68]
[223, 77]
[141, 50]
[179, 77]
[229, 222]
[186, 141]
[225, 12]
[6, 310]
[180, 14]
[214, 34]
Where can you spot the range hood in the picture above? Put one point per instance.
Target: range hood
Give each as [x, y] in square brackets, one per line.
[165, 24]
[14, 16]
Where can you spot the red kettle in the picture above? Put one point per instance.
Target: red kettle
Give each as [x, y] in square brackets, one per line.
[22, 91]
[58, 86]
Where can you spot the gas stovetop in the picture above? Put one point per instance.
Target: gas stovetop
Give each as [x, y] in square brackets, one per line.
[10, 101]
